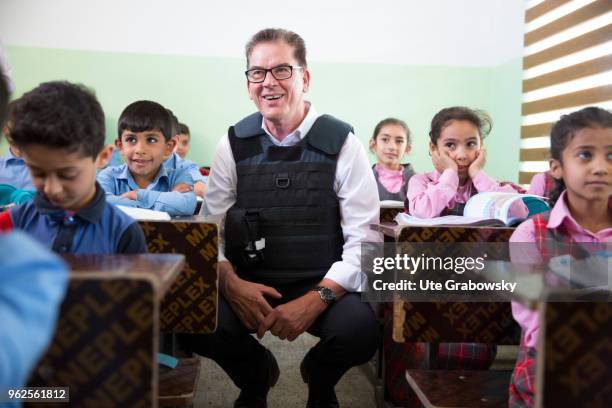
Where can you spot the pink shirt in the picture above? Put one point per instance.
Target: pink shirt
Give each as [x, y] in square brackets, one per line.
[559, 215]
[430, 193]
[538, 184]
[390, 179]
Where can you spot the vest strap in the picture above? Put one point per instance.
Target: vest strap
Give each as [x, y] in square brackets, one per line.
[324, 127]
[327, 134]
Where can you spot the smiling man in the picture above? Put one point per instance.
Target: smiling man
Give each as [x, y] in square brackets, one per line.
[298, 196]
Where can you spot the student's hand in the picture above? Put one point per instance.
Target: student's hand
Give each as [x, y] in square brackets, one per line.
[182, 188]
[478, 164]
[131, 195]
[293, 318]
[247, 299]
[200, 188]
[442, 161]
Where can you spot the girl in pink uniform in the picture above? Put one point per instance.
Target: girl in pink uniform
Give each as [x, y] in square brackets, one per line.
[581, 162]
[542, 184]
[458, 156]
[391, 143]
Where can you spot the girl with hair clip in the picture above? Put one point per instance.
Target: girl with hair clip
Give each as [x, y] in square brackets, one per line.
[458, 156]
[581, 162]
[390, 143]
[543, 184]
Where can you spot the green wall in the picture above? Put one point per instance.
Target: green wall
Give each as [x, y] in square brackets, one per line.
[209, 94]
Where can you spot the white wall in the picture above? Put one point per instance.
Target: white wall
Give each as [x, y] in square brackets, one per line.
[412, 32]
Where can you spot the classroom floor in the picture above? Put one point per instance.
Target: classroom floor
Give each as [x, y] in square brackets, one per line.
[215, 389]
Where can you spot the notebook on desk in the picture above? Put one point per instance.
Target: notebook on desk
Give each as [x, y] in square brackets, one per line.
[142, 214]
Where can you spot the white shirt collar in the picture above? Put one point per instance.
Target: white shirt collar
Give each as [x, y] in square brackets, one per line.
[299, 133]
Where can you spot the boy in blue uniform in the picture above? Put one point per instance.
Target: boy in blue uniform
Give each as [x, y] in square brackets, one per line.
[13, 170]
[15, 182]
[177, 159]
[32, 284]
[145, 140]
[182, 141]
[199, 181]
[59, 129]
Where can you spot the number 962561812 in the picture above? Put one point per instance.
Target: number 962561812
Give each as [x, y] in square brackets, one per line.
[35, 394]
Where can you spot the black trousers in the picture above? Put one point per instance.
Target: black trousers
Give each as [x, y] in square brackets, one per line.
[348, 333]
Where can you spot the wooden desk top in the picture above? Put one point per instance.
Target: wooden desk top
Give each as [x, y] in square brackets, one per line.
[405, 233]
[388, 229]
[537, 283]
[194, 218]
[162, 269]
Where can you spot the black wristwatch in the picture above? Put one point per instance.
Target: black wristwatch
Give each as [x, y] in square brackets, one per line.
[327, 295]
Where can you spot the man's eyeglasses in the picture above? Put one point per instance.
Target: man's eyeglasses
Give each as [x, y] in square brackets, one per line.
[258, 75]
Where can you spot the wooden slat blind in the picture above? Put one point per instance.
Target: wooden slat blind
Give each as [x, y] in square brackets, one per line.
[554, 57]
[539, 154]
[585, 41]
[543, 129]
[591, 96]
[581, 15]
[543, 8]
[592, 67]
[525, 177]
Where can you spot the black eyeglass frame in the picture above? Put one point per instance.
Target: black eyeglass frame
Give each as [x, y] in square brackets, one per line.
[271, 71]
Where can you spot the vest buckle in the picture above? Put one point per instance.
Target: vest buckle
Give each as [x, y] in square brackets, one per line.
[282, 180]
[253, 253]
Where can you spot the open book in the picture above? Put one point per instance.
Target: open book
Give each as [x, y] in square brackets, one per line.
[142, 214]
[486, 209]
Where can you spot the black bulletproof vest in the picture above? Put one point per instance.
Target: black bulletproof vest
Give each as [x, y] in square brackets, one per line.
[285, 224]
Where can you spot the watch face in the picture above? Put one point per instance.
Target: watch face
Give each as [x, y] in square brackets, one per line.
[327, 295]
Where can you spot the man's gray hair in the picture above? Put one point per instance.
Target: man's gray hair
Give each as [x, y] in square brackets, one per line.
[279, 34]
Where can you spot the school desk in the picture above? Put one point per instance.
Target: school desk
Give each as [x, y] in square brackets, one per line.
[190, 306]
[574, 360]
[452, 322]
[446, 321]
[107, 332]
[388, 211]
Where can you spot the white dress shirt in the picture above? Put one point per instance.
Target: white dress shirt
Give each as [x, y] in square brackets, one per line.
[354, 185]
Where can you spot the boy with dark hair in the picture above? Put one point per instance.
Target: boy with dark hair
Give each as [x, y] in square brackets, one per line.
[32, 285]
[145, 139]
[13, 170]
[182, 141]
[59, 129]
[177, 160]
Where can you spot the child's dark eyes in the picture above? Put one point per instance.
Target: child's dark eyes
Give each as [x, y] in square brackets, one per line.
[130, 139]
[584, 155]
[69, 176]
[450, 145]
[472, 144]
[151, 140]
